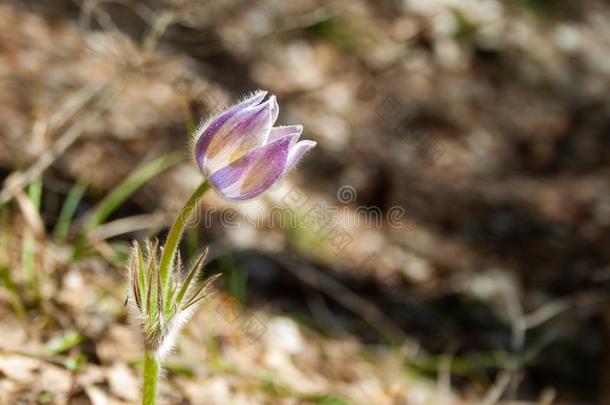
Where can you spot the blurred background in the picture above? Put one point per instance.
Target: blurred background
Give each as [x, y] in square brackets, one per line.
[445, 243]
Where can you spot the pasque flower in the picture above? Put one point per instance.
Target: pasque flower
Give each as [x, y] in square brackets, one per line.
[241, 154]
[240, 151]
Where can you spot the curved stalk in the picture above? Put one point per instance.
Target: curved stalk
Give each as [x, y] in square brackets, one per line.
[175, 233]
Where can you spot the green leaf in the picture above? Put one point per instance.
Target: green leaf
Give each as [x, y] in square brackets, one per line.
[63, 343]
[35, 193]
[187, 282]
[44, 398]
[7, 281]
[74, 363]
[324, 399]
[67, 212]
[183, 371]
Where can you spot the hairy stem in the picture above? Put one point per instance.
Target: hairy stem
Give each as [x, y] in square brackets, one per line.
[175, 233]
[151, 378]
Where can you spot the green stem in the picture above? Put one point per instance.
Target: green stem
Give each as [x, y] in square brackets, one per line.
[151, 378]
[151, 363]
[175, 233]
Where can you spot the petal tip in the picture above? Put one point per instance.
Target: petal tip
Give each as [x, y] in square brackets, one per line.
[298, 151]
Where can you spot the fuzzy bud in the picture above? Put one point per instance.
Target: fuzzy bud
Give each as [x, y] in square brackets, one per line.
[161, 310]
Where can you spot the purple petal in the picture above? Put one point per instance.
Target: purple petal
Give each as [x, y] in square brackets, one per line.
[207, 131]
[297, 152]
[275, 109]
[255, 172]
[242, 133]
[280, 132]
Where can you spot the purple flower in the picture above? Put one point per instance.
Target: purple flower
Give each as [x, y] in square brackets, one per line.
[240, 151]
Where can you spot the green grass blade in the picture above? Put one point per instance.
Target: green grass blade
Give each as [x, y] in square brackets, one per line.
[236, 280]
[125, 189]
[60, 233]
[62, 343]
[13, 291]
[35, 193]
[29, 244]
